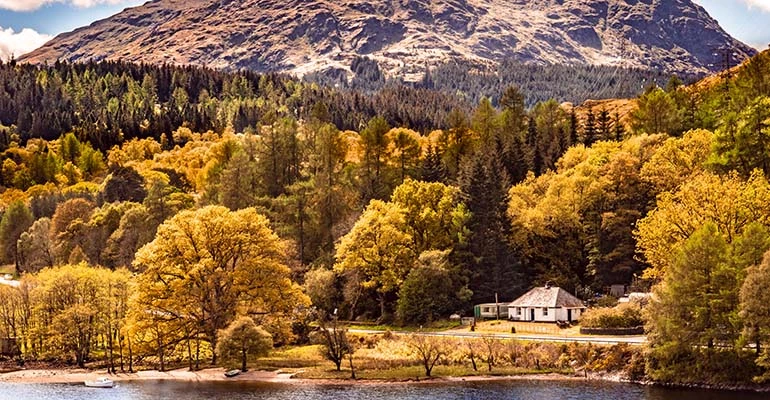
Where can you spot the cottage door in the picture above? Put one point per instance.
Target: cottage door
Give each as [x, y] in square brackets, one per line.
[569, 315]
[532, 314]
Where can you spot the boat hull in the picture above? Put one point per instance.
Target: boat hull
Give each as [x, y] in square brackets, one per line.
[100, 384]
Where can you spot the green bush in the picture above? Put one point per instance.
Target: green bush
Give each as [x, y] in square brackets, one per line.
[627, 315]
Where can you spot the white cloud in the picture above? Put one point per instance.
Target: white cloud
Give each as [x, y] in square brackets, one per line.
[31, 5]
[18, 43]
[764, 5]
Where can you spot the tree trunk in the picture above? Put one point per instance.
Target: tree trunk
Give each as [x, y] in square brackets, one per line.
[213, 353]
[162, 366]
[110, 347]
[189, 355]
[382, 308]
[197, 350]
[120, 352]
[757, 337]
[243, 360]
[130, 357]
[352, 369]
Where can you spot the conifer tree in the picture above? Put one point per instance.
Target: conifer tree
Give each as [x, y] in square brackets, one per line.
[619, 130]
[493, 266]
[604, 125]
[432, 166]
[574, 125]
[589, 129]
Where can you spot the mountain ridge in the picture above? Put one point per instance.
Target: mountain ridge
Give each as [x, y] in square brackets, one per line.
[404, 36]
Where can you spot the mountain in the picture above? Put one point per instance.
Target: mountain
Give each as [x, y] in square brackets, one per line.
[403, 36]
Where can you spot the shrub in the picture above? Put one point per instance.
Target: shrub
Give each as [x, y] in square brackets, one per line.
[626, 315]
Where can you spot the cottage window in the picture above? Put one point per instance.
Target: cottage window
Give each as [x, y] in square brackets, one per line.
[545, 311]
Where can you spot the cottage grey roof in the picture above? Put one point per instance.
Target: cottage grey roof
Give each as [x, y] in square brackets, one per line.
[551, 297]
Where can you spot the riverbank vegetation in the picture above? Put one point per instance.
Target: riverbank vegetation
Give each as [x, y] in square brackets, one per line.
[148, 209]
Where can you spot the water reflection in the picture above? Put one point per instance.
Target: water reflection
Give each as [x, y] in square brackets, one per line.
[513, 390]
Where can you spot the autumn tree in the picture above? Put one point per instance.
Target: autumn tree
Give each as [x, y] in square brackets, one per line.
[16, 220]
[404, 152]
[379, 249]
[386, 241]
[123, 184]
[429, 350]
[238, 182]
[656, 113]
[241, 342]
[69, 226]
[334, 341]
[71, 306]
[484, 120]
[456, 143]
[330, 198]
[35, 248]
[427, 292]
[374, 140]
[727, 201]
[204, 266]
[678, 160]
[691, 308]
[135, 229]
[320, 287]
[434, 214]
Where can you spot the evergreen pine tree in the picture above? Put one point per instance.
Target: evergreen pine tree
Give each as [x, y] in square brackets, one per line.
[604, 125]
[432, 166]
[618, 128]
[493, 265]
[589, 130]
[573, 128]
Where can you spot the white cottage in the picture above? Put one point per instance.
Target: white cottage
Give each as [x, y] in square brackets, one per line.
[546, 304]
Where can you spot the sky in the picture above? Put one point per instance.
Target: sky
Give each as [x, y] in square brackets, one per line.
[28, 24]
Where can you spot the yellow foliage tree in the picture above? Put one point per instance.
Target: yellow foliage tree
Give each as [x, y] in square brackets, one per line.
[207, 266]
[728, 201]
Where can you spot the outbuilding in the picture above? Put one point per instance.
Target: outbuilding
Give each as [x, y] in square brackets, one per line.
[546, 304]
[491, 311]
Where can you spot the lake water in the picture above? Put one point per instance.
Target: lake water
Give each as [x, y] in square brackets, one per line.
[512, 390]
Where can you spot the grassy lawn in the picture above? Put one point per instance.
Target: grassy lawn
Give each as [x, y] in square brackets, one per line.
[417, 372]
[504, 326]
[433, 326]
[384, 359]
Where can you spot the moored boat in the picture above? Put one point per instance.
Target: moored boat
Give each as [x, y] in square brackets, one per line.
[101, 383]
[232, 373]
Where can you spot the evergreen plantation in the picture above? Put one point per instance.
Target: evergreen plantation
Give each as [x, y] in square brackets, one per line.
[147, 208]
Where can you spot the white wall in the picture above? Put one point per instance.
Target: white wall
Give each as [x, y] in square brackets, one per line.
[554, 314]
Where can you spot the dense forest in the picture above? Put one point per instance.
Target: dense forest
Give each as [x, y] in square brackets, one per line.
[473, 81]
[147, 208]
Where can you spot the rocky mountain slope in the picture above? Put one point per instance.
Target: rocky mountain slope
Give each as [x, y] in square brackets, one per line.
[404, 36]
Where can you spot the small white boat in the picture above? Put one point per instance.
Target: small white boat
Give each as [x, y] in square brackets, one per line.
[232, 373]
[101, 383]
